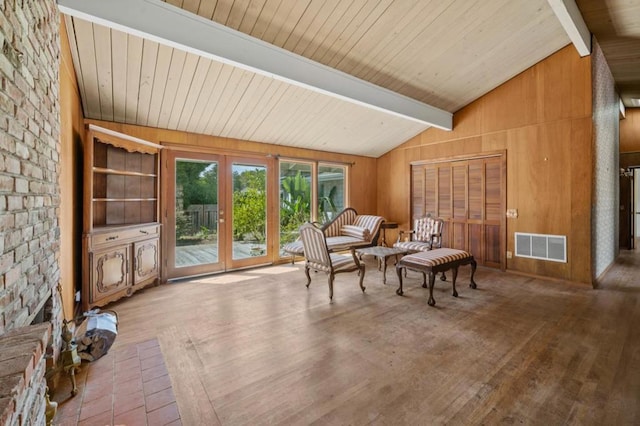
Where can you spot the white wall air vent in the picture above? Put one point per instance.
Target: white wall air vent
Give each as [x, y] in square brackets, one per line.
[544, 247]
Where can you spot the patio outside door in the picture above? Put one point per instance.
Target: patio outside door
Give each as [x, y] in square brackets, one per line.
[216, 213]
[247, 212]
[194, 227]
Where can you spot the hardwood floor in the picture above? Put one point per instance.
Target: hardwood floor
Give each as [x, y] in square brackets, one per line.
[257, 347]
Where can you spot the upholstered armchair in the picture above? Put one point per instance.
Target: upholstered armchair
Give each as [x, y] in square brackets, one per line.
[425, 235]
[318, 257]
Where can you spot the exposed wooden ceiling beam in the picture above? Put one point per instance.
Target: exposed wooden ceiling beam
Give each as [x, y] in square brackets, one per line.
[164, 23]
[571, 20]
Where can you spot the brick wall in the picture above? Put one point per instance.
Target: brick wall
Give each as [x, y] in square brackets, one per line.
[29, 190]
[29, 146]
[22, 369]
[606, 192]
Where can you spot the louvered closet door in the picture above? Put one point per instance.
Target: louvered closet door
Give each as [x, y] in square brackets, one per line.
[458, 230]
[469, 195]
[444, 196]
[417, 192]
[493, 214]
[475, 216]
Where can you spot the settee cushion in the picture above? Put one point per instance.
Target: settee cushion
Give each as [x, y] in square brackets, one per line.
[356, 232]
[370, 222]
[294, 248]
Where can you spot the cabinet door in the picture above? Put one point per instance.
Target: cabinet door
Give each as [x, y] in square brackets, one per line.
[146, 260]
[109, 272]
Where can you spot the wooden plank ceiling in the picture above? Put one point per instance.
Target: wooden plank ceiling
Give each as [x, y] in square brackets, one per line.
[616, 26]
[445, 53]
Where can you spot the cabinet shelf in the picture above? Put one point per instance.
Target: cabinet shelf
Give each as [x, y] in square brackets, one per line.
[103, 170]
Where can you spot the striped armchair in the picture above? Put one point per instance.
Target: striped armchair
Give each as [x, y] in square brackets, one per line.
[425, 235]
[318, 258]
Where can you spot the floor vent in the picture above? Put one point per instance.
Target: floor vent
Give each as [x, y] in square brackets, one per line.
[539, 246]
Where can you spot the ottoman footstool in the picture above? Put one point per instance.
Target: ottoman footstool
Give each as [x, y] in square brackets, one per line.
[434, 261]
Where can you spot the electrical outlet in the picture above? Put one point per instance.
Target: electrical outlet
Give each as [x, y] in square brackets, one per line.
[77, 296]
[509, 255]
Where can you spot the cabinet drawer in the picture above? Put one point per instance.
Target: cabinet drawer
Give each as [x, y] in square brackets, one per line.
[117, 236]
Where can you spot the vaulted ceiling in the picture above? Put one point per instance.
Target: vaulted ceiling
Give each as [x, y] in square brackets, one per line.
[616, 25]
[440, 53]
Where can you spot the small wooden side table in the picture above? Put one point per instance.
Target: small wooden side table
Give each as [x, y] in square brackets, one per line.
[384, 226]
[382, 253]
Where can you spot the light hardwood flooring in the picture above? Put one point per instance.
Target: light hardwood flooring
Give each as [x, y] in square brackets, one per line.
[257, 347]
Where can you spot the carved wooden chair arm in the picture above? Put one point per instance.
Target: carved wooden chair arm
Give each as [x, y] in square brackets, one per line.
[401, 233]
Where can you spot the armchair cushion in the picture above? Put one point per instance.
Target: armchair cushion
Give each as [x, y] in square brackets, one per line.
[413, 246]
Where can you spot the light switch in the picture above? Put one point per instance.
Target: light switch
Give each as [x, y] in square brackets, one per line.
[512, 213]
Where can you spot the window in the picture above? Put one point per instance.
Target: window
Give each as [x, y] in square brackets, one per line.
[309, 191]
[331, 191]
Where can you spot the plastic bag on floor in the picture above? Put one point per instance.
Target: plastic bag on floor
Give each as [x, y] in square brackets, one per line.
[99, 335]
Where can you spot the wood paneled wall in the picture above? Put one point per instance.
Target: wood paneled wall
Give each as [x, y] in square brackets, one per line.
[362, 183]
[71, 134]
[630, 131]
[542, 118]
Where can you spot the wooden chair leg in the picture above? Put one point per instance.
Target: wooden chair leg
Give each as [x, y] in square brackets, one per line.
[331, 286]
[361, 273]
[306, 271]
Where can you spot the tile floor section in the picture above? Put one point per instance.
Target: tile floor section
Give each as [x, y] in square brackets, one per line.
[128, 386]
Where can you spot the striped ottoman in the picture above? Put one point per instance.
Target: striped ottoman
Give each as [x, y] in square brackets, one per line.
[434, 261]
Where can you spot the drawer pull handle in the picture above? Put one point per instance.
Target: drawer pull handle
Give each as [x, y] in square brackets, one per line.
[115, 237]
[144, 232]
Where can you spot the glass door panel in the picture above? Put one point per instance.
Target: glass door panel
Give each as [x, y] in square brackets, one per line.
[194, 234]
[295, 199]
[196, 213]
[248, 212]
